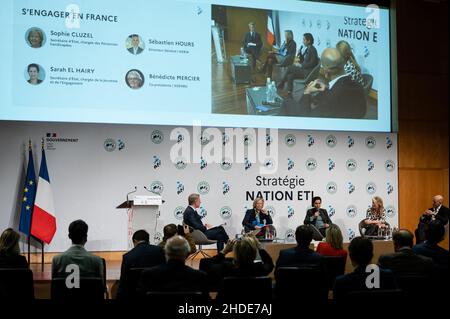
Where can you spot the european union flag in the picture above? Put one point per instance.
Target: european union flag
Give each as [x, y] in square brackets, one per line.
[29, 193]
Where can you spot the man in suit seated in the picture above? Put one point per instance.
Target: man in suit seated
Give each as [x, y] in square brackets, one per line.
[361, 254]
[436, 212]
[304, 63]
[301, 255]
[434, 234]
[404, 261]
[174, 276]
[253, 44]
[89, 264]
[340, 98]
[192, 219]
[318, 217]
[143, 255]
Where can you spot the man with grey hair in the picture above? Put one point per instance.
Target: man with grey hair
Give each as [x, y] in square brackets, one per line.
[341, 97]
[437, 212]
[174, 276]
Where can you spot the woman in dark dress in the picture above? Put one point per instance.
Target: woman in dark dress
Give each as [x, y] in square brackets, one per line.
[9, 250]
[257, 217]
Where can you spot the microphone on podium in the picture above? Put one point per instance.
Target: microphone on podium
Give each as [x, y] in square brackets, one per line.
[128, 194]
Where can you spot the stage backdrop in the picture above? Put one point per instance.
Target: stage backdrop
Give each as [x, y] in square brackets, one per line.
[92, 167]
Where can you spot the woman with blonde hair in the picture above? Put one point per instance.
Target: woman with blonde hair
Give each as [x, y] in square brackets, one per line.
[375, 217]
[9, 250]
[351, 67]
[257, 217]
[333, 244]
[284, 56]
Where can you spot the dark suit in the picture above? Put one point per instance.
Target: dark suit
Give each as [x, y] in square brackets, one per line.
[192, 219]
[138, 50]
[406, 262]
[13, 261]
[356, 281]
[143, 255]
[308, 59]
[442, 216]
[250, 218]
[254, 51]
[173, 276]
[299, 256]
[435, 252]
[310, 219]
[346, 99]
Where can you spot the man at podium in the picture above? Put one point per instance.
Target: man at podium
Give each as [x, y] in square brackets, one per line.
[192, 219]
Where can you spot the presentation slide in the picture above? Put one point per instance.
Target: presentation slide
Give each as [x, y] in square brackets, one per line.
[260, 63]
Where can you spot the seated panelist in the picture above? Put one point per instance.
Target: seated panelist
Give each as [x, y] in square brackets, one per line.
[257, 217]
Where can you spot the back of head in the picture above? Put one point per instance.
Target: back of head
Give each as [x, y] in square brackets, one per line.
[141, 236]
[244, 252]
[9, 242]
[177, 248]
[304, 235]
[332, 61]
[78, 230]
[334, 237]
[435, 232]
[403, 238]
[170, 230]
[361, 251]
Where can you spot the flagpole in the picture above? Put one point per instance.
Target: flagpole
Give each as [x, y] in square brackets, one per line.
[42, 242]
[29, 255]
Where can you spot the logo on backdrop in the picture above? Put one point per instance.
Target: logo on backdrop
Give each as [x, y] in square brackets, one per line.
[390, 188]
[310, 140]
[290, 211]
[388, 142]
[178, 212]
[269, 163]
[226, 212]
[269, 139]
[389, 165]
[351, 164]
[204, 138]
[328, 25]
[180, 163]
[370, 142]
[180, 187]
[350, 187]
[225, 188]
[331, 141]
[271, 211]
[203, 188]
[366, 52]
[331, 164]
[203, 163]
[247, 164]
[157, 136]
[350, 141]
[157, 238]
[248, 139]
[121, 144]
[331, 211]
[351, 234]
[157, 187]
[109, 144]
[180, 137]
[319, 24]
[225, 164]
[290, 140]
[370, 165]
[289, 235]
[156, 162]
[351, 211]
[225, 138]
[52, 138]
[390, 211]
[328, 43]
[311, 164]
[331, 188]
[202, 212]
[371, 188]
[290, 164]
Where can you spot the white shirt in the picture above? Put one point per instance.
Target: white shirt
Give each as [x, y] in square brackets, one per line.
[332, 82]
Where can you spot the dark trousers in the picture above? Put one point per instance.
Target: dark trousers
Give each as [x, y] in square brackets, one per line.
[254, 55]
[420, 232]
[293, 72]
[218, 233]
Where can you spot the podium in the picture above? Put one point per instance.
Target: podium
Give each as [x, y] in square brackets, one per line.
[143, 213]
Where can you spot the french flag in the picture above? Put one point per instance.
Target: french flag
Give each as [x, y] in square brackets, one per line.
[270, 29]
[43, 222]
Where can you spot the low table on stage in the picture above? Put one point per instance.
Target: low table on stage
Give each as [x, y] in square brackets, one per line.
[255, 96]
[241, 70]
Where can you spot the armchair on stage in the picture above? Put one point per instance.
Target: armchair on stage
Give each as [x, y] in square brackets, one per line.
[143, 213]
